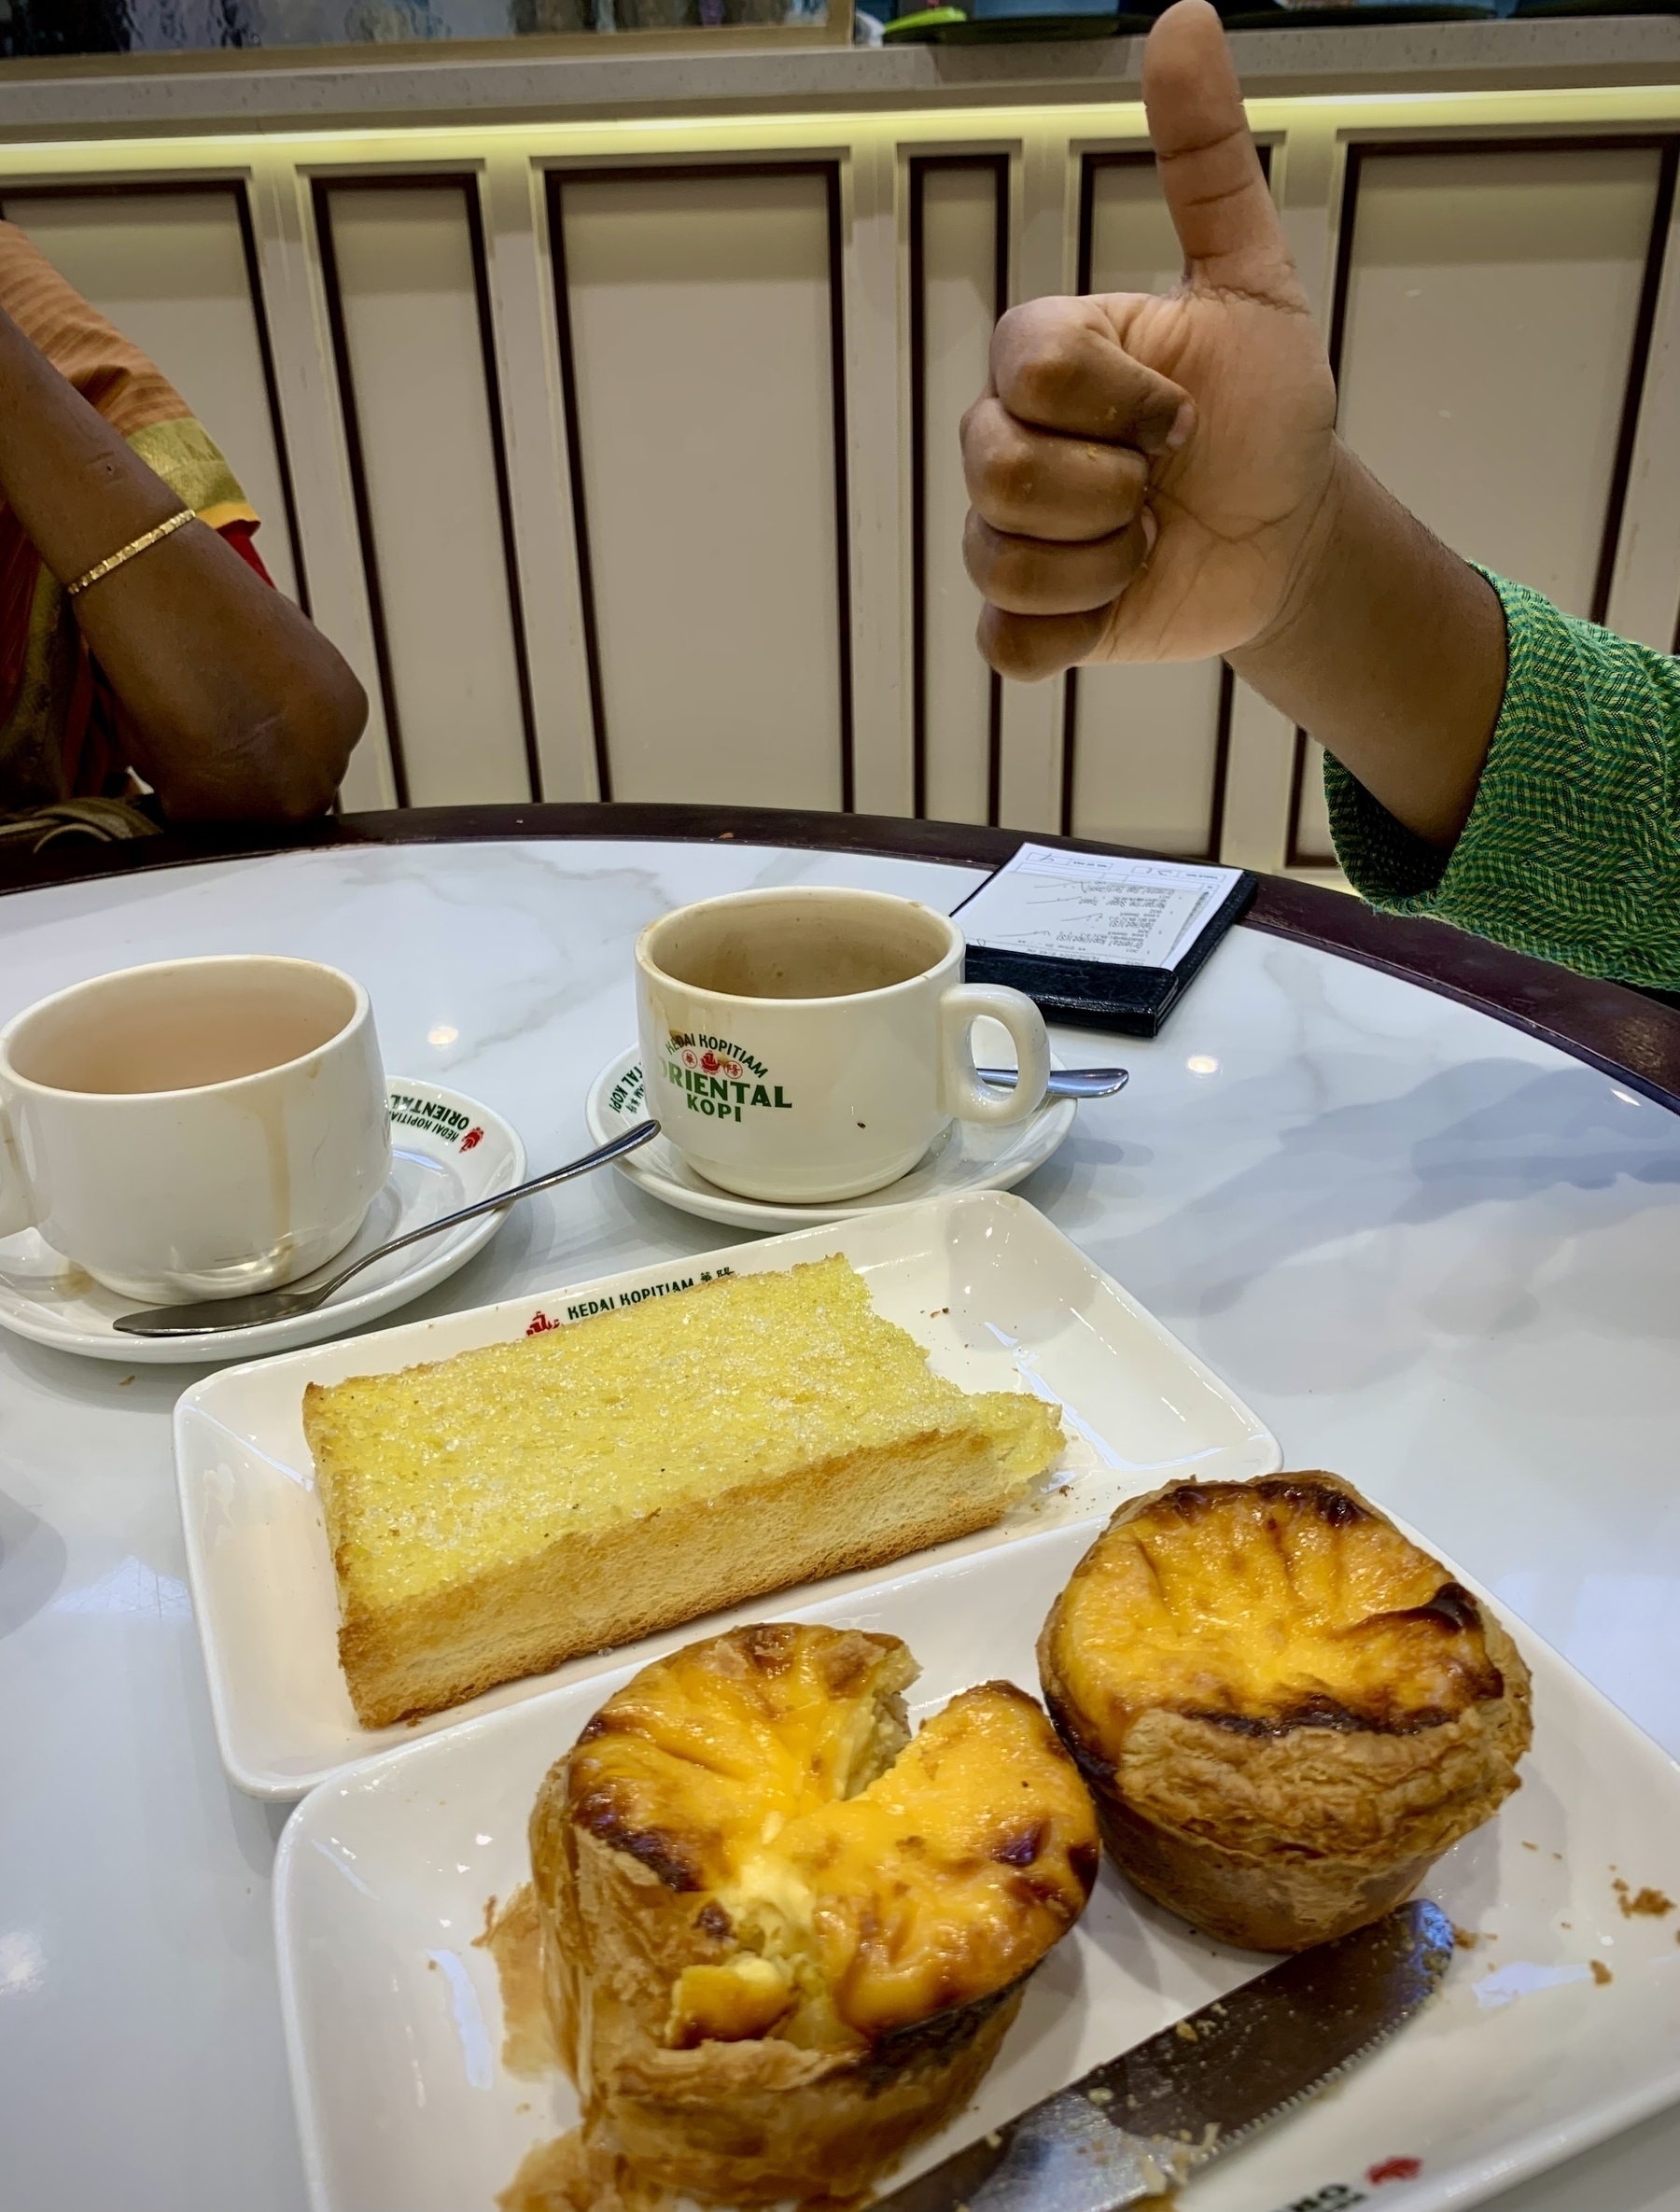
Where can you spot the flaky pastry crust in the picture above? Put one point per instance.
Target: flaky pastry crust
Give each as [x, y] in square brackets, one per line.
[879, 1901]
[1284, 1709]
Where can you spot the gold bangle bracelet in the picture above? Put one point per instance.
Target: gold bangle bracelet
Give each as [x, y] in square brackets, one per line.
[126, 553]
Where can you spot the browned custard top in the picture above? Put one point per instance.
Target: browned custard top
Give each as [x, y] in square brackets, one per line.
[847, 1883]
[1265, 1606]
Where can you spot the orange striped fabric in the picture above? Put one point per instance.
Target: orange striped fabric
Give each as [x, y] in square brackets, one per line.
[109, 372]
[62, 728]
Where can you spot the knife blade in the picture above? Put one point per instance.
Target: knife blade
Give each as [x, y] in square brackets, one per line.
[1142, 2124]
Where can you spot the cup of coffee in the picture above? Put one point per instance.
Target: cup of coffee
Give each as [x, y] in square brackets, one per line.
[194, 1129]
[803, 1046]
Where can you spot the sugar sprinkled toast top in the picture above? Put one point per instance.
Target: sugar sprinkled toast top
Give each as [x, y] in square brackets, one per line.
[445, 1469]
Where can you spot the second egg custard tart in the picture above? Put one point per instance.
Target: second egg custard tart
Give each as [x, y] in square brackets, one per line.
[782, 1939]
[1285, 1709]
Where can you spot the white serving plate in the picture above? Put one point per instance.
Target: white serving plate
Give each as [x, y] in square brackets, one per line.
[393, 2019]
[997, 1296]
[447, 1151]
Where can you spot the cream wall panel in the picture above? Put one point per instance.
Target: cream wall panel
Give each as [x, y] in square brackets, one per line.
[1147, 738]
[539, 472]
[1259, 781]
[416, 362]
[169, 270]
[1146, 745]
[1490, 307]
[700, 325]
[960, 246]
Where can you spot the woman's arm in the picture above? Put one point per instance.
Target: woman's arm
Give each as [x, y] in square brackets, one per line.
[1391, 650]
[237, 704]
[1271, 545]
[1159, 478]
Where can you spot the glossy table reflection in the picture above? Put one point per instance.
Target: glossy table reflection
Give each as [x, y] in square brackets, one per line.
[1433, 1251]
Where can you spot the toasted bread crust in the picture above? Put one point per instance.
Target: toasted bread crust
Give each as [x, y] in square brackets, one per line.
[1272, 1834]
[592, 1592]
[495, 1513]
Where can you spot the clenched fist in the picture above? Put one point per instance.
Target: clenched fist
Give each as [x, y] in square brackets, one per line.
[1159, 478]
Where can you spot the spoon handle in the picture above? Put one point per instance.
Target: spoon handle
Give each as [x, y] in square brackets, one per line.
[214, 1317]
[598, 1158]
[1065, 1082]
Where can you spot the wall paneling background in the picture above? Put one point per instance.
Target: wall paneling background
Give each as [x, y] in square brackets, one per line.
[624, 463]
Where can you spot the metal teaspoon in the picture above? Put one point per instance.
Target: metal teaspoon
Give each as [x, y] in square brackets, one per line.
[1066, 1082]
[210, 1317]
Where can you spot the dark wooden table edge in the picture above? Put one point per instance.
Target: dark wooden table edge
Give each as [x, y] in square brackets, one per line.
[1616, 1030]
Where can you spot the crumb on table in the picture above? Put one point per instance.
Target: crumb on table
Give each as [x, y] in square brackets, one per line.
[1641, 1904]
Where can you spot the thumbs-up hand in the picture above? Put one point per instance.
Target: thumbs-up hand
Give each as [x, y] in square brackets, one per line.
[1146, 471]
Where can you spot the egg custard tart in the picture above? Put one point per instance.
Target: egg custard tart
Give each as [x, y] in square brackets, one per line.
[782, 1939]
[1286, 1711]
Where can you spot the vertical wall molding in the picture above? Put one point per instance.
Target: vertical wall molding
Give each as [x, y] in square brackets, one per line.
[843, 589]
[554, 185]
[472, 195]
[1293, 855]
[556, 181]
[922, 167]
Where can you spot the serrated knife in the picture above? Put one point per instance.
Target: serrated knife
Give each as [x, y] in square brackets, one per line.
[1143, 2122]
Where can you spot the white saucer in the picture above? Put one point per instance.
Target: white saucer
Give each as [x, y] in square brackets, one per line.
[970, 1156]
[439, 1162]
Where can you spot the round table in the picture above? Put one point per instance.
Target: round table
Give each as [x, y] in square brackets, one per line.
[1416, 1199]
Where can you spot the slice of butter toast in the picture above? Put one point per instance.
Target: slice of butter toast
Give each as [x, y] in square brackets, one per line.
[507, 1508]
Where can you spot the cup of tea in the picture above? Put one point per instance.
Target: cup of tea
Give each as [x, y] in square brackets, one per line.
[197, 1129]
[805, 1045]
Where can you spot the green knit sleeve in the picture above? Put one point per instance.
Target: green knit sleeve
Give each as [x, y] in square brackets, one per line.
[1573, 848]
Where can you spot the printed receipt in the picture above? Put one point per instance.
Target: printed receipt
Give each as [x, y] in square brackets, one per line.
[1089, 906]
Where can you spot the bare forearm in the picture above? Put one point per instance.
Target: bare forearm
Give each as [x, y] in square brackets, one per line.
[1390, 652]
[239, 705]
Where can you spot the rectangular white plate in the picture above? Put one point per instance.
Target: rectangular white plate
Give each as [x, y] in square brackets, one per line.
[997, 1294]
[394, 2022]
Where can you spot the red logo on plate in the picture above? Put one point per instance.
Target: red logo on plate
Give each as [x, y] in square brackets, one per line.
[1394, 2169]
[474, 1136]
[538, 1323]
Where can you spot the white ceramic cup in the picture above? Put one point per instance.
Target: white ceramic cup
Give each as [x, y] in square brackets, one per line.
[807, 1044]
[197, 1129]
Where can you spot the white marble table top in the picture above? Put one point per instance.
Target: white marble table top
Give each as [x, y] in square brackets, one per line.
[1433, 1254]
